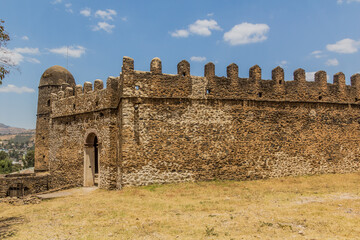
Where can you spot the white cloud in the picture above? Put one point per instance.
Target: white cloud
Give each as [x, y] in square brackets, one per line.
[25, 38]
[27, 50]
[56, 1]
[317, 54]
[10, 57]
[108, 14]
[210, 14]
[14, 89]
[310, 76]
[72, 51]
[198, 59]
[180, 33]
[103, 26]
[86, 12]
[203, 27]
[332, 62]
[283, 63]
[124, 19]
[346, 45]
[68, 7]
[347, 1]
[32, 60]
[14, 57]
[245, 33]
[199, 27]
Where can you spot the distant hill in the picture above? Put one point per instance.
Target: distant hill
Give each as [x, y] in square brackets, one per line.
[5, 130]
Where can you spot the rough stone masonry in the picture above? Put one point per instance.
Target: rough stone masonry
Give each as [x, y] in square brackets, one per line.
[149, 127]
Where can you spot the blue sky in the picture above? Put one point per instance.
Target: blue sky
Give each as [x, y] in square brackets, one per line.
[311, 34]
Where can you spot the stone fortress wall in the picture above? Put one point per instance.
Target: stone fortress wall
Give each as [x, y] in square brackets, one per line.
[19, 185]
[153, 128]
[160, 128]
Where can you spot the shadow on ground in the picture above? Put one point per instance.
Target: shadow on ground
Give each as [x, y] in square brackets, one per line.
[7, 224]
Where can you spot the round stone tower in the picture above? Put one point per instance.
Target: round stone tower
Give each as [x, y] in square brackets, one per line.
[51, 82]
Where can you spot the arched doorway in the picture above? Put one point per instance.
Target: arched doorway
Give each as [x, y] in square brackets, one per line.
[17, 190]
[91, 160]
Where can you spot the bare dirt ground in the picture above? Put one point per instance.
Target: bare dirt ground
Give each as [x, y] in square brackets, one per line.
[68, 192]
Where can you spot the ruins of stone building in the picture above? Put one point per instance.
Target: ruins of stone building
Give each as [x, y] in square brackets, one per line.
[149, 127]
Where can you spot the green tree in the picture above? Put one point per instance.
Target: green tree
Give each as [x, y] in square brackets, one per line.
[29, 159]
[3, 155]
[16, 167]
[5, 166]
[5, 63]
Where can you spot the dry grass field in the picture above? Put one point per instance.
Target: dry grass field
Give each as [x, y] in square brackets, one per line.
[314, 207]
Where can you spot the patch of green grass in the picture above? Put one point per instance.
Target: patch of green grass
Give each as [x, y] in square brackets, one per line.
[153, 187]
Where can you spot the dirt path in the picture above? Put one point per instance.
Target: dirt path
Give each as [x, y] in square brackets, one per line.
[68, 192]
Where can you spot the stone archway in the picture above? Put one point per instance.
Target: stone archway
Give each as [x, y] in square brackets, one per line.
[91, 160]
[17, 190]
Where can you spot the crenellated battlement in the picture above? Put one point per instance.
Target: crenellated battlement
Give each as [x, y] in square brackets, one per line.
[87, 98]
[155, 84]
